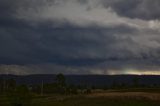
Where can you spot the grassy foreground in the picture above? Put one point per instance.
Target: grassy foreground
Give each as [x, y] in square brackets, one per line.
[94, 99]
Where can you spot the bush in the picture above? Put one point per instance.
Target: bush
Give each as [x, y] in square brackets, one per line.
[20, 97]
[88, 91]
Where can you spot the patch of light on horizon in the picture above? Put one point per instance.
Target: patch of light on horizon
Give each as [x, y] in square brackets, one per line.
[134, 72]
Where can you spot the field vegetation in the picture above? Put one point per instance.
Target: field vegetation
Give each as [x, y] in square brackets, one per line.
[62, 94]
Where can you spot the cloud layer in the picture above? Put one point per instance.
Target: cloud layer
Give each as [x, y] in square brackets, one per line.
[79, 36]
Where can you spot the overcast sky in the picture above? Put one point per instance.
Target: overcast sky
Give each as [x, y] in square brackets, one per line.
[80, 36]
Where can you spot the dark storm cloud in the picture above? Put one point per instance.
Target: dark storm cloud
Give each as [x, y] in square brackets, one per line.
[28, 44]
[143, 9]
[6, 8]
[39, 32]
[44, 44]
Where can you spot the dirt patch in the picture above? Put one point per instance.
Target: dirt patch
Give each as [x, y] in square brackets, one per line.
[134, 95]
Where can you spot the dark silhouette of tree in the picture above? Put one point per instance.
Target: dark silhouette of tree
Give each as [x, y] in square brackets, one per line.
[115, 85]
[61, 80]
[135, 82]
[87, 91]
[61, 83]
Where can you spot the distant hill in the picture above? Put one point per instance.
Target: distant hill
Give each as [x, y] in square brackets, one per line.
[89, 80]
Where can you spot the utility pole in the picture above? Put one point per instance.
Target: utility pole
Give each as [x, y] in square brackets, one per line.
[42, 88]
[4, 85]
[7, 80]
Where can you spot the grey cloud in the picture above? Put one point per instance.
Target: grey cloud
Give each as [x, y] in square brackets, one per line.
[94, 42]
[46, 44]
[143, 9]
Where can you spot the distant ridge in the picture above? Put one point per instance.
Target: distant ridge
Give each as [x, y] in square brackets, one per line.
[90, 80]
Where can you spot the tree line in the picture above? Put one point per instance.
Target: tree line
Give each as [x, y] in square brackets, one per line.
[21, 95]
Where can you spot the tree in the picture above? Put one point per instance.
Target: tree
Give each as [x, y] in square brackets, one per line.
[135, 82]
[61, 80]
[88, 91]
[61, 83]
